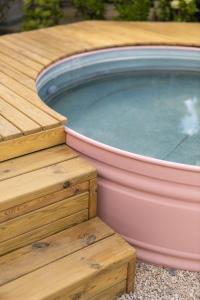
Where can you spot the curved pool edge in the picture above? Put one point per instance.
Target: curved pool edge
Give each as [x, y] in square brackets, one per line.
[168, 196]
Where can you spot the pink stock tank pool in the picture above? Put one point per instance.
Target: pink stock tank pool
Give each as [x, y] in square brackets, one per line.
[134, 112]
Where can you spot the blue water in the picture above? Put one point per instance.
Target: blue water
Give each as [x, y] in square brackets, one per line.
[156, 114]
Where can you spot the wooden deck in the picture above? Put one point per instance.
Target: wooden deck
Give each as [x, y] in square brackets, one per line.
[26, 123]
[48, 225]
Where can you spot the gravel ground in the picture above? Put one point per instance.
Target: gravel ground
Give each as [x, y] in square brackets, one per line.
[158, 283]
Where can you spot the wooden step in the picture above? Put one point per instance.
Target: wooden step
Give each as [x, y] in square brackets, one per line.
[87, 261]
[43, 193]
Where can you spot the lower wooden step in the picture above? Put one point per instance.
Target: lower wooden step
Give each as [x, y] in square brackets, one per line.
[44, 193]
[87, 261]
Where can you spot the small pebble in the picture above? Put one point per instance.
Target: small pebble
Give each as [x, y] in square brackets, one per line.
[159, 283]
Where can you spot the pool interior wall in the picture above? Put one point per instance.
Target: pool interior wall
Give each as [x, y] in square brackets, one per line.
[146, 101]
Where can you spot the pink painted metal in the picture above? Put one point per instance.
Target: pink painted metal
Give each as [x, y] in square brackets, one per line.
[153, 204]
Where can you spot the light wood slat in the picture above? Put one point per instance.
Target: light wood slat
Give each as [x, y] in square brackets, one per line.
[68, 39]
[36, 39]
[175, 31]
[18, 76]
[107, 256]
[124, 30]
[61, 42]
[130, 275]
[30, 96]
[27, 259]
[43, 216]
[8, 130]
[35, 161]
[28, 108]
[50, 41]
[18, 119]
[93, 198]
[31, 143]
[112, 293]
[43, 201]
[29, 186]
[25, 52]
[88, 43]
[20, 58]
[43, 232]
[35, 48]
[18, 66]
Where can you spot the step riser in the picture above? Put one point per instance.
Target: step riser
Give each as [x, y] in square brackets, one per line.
[43, 216]
[38, 203]
[42, 232]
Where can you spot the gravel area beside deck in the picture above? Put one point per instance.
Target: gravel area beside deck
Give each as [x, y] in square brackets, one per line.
[159, 283]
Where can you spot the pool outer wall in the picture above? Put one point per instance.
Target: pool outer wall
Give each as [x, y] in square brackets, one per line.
[153, 204]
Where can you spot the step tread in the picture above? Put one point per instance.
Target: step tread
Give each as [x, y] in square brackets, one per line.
[45, 176]
[79, 263]
[34, 161]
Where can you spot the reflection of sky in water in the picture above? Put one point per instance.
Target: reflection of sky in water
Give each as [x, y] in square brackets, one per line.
[190, 123]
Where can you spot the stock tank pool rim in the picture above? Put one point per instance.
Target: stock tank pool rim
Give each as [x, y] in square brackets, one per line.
[74, 63]
[150, 202]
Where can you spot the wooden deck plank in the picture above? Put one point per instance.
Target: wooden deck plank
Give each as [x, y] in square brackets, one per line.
[126, 33]
[180, 33]
[18, 76]
[31, 97]
[18, 66]
[35, 161]
[27, 259]
[107, 256]
[8, 130]
[29, 186]
[18, 119]
[51, 42]
[20, 58]
[25, 52]
[34, 47]
[29, 109]
[36, 38]
[31, 143]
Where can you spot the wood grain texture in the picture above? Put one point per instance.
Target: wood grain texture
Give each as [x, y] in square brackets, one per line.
[18, 119]
[131, 274]
[29, 186]
[31, 110]
[29, 258]
[43, 232]
[35, 161]
[7, 130]
[93, 198]
[89, 272]
[43, 201]
[27, 144]
[112, 293]
[43, 216]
